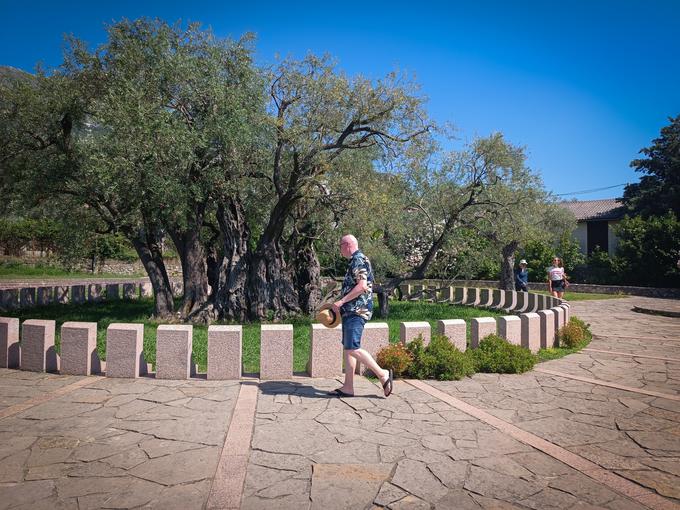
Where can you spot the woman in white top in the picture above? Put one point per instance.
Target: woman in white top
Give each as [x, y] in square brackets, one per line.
[557, 278]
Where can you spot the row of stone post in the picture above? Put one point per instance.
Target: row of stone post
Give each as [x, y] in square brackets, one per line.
[28, 297]
[508, 300]
[125, 358]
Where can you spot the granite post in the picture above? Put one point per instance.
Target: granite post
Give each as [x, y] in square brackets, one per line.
[79, 348]
[9, 343]
[479, 328]
[276, 351]
[325, 353]
[455, 331]
[38, 353]
[225, 351]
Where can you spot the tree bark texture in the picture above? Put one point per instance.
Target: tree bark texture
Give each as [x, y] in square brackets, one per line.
[148, 247]
[307, 274]
[231, 298]
[194, 270]
[507, 277]
[270, 283]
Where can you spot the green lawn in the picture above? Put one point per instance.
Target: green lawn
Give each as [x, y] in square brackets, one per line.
[582, 296]
[139, 311]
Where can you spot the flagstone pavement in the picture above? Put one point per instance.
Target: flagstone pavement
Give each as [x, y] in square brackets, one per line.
[556, 437]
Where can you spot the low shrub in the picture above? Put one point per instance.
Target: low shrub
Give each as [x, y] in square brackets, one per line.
[583, 325]
[396, 357]
[496, 355]
[571, 334]
[439, 360]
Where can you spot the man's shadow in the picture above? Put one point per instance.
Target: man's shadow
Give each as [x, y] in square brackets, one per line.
[302, 390]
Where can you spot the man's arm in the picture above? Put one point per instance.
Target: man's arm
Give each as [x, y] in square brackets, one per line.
[357, 290]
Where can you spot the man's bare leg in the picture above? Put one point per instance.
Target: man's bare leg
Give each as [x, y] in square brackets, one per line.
[350, 367]
[365, 357]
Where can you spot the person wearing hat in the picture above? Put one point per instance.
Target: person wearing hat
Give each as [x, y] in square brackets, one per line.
[522, 277]
[355, 308]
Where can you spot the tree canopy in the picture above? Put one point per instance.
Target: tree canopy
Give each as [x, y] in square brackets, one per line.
[167, 133]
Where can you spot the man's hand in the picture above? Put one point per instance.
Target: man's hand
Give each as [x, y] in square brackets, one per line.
[337, 305]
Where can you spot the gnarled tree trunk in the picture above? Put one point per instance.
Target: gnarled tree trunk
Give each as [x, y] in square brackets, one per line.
[507, 279]
[148, 247]
[270, 283]
[307, 273]
[231, 298]
[194, 271]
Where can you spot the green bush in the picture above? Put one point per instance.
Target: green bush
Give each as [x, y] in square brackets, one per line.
[439, 360]
[396, 357]
[496, 355]
[573, 333]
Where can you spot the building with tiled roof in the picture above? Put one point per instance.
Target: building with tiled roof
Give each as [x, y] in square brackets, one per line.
[595, 219]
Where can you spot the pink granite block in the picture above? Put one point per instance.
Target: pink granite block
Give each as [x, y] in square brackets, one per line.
[376, 335]
[567, 312]
[559, 317]
[445, 295]
[124, 344]
[480, 328]
[79, 348]
[130, 291]
[531, 331]
[174, 344]
[455, 331]
[276, 351]
[532, 302]
[61, 295]
[225, 351]
[38, 353]
[44, 295]
[510, 328]
[27, 297]
[459, 295]
[95, 292]
[9, 343]
[417, 292]
[9, 299]
[405, 289]
[509, 300]
[146, 289]
[472, 298]
[485, 297]
[78, 294]
[497, 298]
[547, 328]
[411, 330]
[112, 291]
[325, 354]
[521, 304]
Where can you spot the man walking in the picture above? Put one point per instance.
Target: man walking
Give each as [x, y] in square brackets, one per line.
[356, 307]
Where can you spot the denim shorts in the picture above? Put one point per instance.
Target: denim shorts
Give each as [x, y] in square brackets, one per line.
[352, 328]
[558, 285]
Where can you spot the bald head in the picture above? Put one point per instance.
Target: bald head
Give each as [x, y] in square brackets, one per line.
[348, 245]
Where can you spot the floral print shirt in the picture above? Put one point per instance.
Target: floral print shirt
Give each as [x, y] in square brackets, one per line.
[359, 268]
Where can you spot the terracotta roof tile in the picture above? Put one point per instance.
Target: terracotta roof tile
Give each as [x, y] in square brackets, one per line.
[605, 209]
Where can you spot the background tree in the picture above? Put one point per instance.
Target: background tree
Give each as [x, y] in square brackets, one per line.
[659, 190]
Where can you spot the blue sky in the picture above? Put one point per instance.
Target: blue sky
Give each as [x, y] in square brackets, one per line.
[582, 85]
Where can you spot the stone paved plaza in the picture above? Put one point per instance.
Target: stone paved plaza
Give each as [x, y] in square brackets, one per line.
[592, 430]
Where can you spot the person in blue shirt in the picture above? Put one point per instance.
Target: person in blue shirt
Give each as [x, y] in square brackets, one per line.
[522, 277]
[356, 307]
